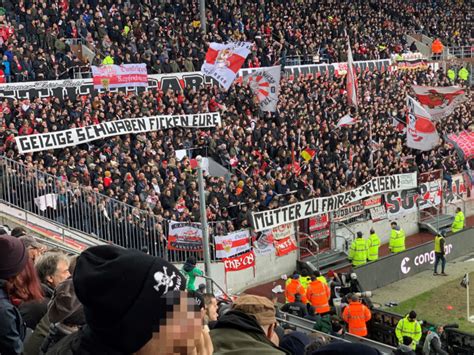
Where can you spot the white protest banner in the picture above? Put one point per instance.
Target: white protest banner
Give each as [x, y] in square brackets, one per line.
[184, 236]
[283, 231]
[346, 212]
[75, 136]
[119, 76]
[232, 244]
[430, 194]
[305, 209]
[378, 213]
[400, 203]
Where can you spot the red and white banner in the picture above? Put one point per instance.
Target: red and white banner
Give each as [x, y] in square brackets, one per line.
[319, 222]
[345, 121]
[372, 201]
[184, 236]
[463, 142]
[285, 246]
[232, 244]
[223, 61]
[283, 231]
[421, 131]
[351, 79]
[439, 102]
[240, 262]
[265, 85]
[119, 76]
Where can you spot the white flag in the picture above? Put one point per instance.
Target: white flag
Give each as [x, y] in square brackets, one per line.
[346, 120]
[439, 102]
[223, 61]
[265, 84]
[421, 131]
[351, 79]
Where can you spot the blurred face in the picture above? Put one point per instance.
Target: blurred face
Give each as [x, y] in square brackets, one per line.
[179, 334]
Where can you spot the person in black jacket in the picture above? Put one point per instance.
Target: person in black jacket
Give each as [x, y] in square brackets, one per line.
[13, 259]
[137, 305]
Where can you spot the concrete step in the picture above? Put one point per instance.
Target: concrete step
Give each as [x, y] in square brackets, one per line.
[435, 224]
[331, 259]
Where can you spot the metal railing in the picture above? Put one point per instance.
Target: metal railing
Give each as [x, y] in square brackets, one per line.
[83, 209]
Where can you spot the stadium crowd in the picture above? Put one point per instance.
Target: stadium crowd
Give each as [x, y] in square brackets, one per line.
[143, 171]
[35, 36]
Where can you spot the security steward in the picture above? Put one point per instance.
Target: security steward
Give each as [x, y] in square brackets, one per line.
[356, 315]
[296, 308]
[318, 295]
[305, 279]
[409, 327]
[458, 223]
[293, 288]
[439, 243]
[373, 245]
[397, 239]
[358, 251]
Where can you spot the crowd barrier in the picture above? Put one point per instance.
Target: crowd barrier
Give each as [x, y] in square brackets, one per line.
[398, 266]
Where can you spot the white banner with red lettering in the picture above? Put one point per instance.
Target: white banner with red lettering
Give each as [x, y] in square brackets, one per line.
[378, 213]
[232, 244]
[372, 202]
[430, 194]
[119, 76]
[285, 246]
[284, 231]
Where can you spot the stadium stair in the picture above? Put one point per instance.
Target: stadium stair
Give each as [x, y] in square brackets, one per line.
[436, 223]
[330, 259]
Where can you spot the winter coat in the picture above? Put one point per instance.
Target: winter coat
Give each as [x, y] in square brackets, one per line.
[12, 327]
[238, 333]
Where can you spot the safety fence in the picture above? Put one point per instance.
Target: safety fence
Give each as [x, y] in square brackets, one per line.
[87, 210]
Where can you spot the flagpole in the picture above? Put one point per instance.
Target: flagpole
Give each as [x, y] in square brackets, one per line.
[467, 292]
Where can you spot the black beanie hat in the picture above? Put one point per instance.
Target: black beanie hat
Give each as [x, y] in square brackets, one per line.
[121, 291]
[13, 256]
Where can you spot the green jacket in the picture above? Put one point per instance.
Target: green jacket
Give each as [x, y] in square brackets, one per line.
[323, 324]
[237, 333]
[358, 252]
[108, 60]
[373, 244]
[190, 273]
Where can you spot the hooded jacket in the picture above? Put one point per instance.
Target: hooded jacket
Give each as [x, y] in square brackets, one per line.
[239, 333]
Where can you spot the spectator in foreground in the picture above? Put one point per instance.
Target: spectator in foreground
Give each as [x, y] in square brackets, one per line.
[13, 259]
[135, 306]
[35, 249]
[249, 327]
[295, 342]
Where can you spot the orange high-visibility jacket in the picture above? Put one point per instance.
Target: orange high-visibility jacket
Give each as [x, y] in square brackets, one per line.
[292, 288]
[318, 295]
[437, 47]
[356, 315]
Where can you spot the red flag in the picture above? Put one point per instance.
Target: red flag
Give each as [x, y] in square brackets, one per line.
[351, 79]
